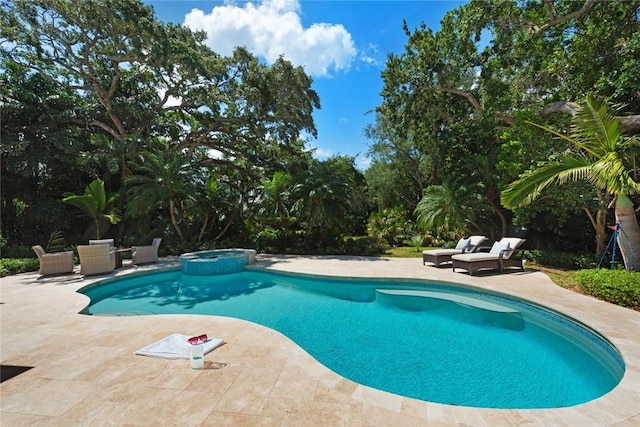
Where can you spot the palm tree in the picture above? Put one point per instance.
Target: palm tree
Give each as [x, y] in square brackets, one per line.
[274, 197]
[599, 158]
[161, 180]
[94, 202]
[443, 211]
[326, 198]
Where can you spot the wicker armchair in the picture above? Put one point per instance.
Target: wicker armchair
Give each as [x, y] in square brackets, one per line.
[96, 259]
[54, 262]
[142, 254]
[110, 242]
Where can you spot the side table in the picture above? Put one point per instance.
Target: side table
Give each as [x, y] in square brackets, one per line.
[118, 253]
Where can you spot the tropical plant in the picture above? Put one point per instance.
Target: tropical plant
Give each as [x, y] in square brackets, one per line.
[95, 203]
[330, 197]
[161, 181]
[273, 200]
[416, 241]
[599, 157]
[444, 211]
[55, 242]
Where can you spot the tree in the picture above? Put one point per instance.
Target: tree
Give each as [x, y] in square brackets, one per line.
[599, 157]
[37, 155]
[330, 197]
[95, 203]
[138, 78]
[274, 199]
[161, 181]
[139, 85]
[446, 211]
[449, 97]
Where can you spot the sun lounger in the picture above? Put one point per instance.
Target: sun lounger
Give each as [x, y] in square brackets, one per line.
[442, 256]
[501, 256]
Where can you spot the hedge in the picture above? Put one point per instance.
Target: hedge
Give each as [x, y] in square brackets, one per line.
[615, 286]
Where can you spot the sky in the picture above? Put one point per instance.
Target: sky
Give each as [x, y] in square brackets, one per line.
[342, 45]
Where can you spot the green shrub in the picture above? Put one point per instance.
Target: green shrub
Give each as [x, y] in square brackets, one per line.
[562, 260]
[10, 266]
[18, 251]
[365, 245]
[615, 286]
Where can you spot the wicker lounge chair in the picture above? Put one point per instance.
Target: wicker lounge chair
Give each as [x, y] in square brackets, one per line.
[54, 262]
[96, 259]
[143, 254]
[503, 254]
[442, 256]
[110, 242]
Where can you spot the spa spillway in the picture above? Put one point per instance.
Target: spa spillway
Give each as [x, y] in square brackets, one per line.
[217, 261]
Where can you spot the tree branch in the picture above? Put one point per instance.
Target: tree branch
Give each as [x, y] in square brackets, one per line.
[535, 31]
[472, 99]
[628, 124]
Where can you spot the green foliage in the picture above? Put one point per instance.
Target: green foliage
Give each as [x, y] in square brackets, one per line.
[444, 211]
[330, 197]
[563, 260]
[95, 203]
[417, 240]
[364, 246]
[390, 225]
[18, 251]
[615, 286]
[10, 266]
[56, 242]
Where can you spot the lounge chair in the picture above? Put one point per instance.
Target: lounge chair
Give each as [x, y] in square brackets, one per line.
[54, 262]
[441, 256]
[96, 259]
[143, 254]
[501, 256]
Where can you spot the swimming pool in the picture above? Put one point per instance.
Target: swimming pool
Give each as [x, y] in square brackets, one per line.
[437, 343]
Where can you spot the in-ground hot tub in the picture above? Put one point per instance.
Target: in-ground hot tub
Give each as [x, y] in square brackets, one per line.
[217, 261]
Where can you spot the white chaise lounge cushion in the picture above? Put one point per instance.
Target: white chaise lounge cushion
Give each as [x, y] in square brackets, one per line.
[439, 252]
[476, 240]
[475, 256]
[514, 243]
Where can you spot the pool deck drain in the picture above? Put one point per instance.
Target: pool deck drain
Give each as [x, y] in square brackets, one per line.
[85, 371]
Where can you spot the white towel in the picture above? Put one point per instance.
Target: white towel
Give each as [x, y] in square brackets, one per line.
[176, 346]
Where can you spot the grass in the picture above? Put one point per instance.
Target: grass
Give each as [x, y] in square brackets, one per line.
[405, 252]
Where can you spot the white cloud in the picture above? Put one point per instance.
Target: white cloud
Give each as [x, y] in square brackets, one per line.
[371, 55]
[363, 162]
[271, 28]
[321, 153]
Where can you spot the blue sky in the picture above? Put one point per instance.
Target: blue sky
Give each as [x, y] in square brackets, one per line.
[342, 45]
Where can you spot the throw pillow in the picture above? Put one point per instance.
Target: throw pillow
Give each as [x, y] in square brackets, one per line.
[463, 243]
[499, 247]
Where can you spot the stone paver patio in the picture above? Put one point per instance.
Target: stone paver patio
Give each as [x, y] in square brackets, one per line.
[85, 372]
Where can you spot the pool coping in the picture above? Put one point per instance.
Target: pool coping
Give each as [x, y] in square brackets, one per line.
[25, 296]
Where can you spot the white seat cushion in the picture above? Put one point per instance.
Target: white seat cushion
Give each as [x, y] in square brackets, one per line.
[475, 256]
[438, 252]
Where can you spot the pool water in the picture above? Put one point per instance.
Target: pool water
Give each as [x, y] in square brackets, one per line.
[437, 343]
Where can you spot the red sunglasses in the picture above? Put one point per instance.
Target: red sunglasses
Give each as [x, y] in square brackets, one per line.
[198, 339]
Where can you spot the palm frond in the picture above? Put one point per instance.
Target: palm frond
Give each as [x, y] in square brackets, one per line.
[525, 190]
[594, 121]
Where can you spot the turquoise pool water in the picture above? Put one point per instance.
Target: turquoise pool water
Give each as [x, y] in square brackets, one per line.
[437, 343]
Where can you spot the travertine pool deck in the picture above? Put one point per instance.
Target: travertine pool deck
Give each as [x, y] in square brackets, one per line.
[85, 372]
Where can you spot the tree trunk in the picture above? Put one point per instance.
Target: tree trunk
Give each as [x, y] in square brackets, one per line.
[174, 221]
[628, 233]
[601, 235]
